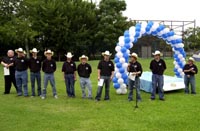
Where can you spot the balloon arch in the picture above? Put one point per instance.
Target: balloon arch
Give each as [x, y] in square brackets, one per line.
[131, 36]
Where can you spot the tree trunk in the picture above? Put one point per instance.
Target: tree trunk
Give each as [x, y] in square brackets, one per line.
[27, 49]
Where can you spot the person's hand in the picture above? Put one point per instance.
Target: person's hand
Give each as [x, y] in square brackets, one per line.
[98, 78]
[111, 78]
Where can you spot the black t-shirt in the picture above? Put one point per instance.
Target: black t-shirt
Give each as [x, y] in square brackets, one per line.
[69, 67]
[21, 63]
[106, 67]
[35, 64]
[84, 70]
[49, 66]
[158, 67]
[9, 60]
[135, 67]
[187, 67]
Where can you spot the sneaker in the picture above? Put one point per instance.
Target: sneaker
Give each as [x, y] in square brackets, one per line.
[162, 99]
[130, 99]
[56, 97]
[42, 97]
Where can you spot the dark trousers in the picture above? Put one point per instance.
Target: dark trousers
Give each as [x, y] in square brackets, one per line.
[8, 83]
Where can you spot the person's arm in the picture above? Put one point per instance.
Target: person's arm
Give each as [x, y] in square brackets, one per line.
[112, 75]
[98, 71]
[4, 64]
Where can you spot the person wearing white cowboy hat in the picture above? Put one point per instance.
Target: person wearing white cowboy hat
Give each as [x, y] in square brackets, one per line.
[9, 77]
[84, 70]
[190, 70]
[157, 66]
[69, 72]
[35, 66]
[49, 67]
[21, 75]
[135, 71]
[105, 75]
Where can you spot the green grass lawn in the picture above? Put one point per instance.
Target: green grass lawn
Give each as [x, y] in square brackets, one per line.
[178, 113]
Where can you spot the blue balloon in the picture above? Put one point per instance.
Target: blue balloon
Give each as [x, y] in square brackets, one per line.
[126, 33]
[154, 33]
[114, 79]
[116, 85]
[119, 65]
[116, 60]
[121, 70]
[135, 40]
[137, 34]
[179, 41]
[126, 56]
[127, 40]
[150, 23]
[127, 45]
[148, 28]
[164, 36]
[124, 76]
[123, 49]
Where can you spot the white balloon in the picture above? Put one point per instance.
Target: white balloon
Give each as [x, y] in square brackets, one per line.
[180, 70]
[123, 86]
[119, 91]
[144, 24]
[116, 69]
[118, 75]
[117, 48]
[121, 38]
[121, 43]
[166, 30]
[125, 65]
[176, 66]
[132, 30]
[128, 51]
[132, 39]
[122, 60]
[155, 26]
[119, 54]
[180, 56]
[120, 81]
[175, 62]
[131, 45]
[123, 91]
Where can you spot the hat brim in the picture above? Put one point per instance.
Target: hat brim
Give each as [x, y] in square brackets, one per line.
[69, 56]
[80, 58]
[134, 56]
[103, 54]
[45, 53]
[31, 51]
[19, 51]
[157, 54]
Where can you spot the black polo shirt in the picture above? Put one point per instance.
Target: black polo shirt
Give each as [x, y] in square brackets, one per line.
[158, 67]
[84, 70]
[9, 60]
[21, 63]
[69, 67]
[135, 67]
[106, 67]
[35, 64]
[49, 66]
[187, 67]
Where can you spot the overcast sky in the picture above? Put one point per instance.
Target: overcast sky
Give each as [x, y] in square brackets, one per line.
[187, 10]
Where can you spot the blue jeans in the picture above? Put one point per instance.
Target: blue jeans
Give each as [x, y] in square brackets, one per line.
[49, 77]
[157, 81]
[107, 88]
[85, 82]
[22, 80]
[190, 80]
[69, 83]
[36, 76]
[134, 84]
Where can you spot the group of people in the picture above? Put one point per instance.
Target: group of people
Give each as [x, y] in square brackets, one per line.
[15, 71]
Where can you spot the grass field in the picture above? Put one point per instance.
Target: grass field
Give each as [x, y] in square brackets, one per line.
[179, 112]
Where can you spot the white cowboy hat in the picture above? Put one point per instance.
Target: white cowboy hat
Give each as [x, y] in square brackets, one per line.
[69, 55]
[34, 50]
[83, 57]
[134, 55]
[48, 52]
[191, 59]
[106, 53]
[19, 50]
[157, 52]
